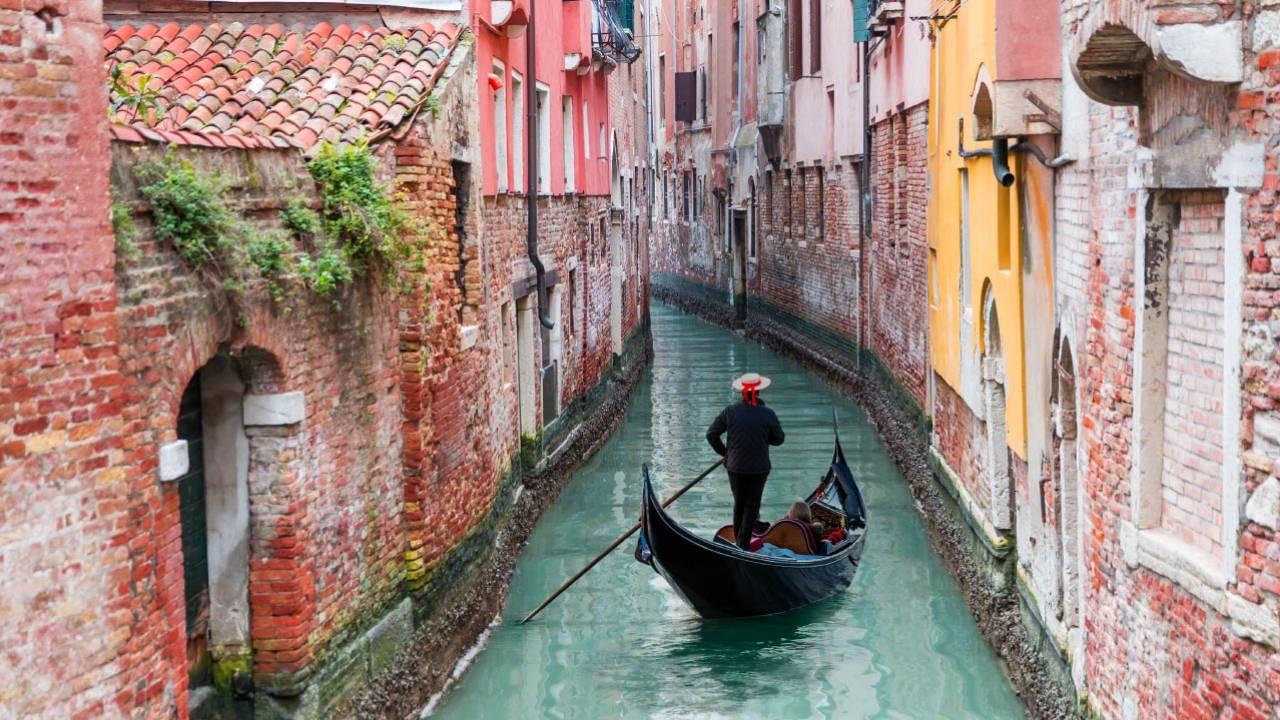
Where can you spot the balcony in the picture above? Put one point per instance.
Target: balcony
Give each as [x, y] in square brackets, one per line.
[611, 41]
[885, 12]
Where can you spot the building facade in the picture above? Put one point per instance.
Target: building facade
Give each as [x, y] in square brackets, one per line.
[292, 393]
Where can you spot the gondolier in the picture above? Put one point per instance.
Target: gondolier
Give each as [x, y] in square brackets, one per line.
[752, 428]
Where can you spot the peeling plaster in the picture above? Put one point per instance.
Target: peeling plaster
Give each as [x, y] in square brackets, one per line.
[1214, 53]
[1242, 166]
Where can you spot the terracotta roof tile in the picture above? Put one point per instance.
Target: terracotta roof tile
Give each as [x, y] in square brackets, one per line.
[272, 86]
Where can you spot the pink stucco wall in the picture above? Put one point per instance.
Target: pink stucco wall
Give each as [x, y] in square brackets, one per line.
[1028, 40]
[828, 107]
[900, 66]
[563, 26]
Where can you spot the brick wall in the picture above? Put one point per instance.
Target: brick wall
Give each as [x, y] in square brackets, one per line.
[64, 563]
[961, 438]
[326, 510]
[1153, 646]
[897, 283]
[809, 268]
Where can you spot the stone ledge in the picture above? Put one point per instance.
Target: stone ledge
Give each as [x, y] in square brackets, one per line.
[175, 460]
[278, 409]
[1193, 571]
[995, 542]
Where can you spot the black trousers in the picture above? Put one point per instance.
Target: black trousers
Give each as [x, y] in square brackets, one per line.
[747, 489]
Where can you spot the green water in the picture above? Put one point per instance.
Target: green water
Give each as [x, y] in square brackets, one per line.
[898, 644]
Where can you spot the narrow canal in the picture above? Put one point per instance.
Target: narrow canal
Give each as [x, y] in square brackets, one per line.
[620, 644]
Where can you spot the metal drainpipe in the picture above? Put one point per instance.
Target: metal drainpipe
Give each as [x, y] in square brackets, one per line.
[864, 207]
[531, 139]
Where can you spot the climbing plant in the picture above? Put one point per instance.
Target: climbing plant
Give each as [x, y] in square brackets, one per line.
[360, 225]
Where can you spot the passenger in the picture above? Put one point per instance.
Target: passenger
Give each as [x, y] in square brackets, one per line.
[799, 511]
[752, 428]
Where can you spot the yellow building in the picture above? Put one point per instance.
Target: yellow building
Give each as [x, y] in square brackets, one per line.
[994, 90]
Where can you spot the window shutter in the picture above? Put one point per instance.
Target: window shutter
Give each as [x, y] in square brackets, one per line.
[861, 21]
[686, 96]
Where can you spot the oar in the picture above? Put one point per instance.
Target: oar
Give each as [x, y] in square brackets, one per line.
[615, 545]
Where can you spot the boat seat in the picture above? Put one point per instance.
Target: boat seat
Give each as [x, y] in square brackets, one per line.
[792, 535]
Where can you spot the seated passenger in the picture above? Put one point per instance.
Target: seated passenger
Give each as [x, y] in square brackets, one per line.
[800, 512]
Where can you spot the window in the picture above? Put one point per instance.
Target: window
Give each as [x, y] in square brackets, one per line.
[604, 150]
[815, 36]
[566, 139]
[662, 92]
[573, 301]
[586, 132]
[500, 129]
[737, 78]
[933, 277]
[544, 138]
[702, 94]
[795, 40]
[517, 133]
[822, 205]
[685, 209]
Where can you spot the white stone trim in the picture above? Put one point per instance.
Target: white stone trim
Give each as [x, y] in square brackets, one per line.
[1232, 343]
[469, 335]
[175, 460]
[277, 409]
[1194, 570]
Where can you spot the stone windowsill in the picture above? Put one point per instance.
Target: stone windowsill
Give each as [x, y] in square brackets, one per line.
[1197, 572]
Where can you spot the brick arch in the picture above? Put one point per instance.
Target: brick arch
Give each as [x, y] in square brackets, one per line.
[262, 369]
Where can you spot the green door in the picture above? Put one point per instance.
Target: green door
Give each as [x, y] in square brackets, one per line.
[195, 538]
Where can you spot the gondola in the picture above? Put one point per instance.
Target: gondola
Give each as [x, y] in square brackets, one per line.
[718, 579]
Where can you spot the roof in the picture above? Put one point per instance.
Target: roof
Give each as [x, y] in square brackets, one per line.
[256, 86]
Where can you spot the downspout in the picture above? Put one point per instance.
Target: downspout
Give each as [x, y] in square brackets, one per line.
[865, 206]
[531, 184]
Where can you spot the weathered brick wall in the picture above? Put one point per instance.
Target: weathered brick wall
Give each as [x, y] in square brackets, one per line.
[325, 515]
[960, 437]
[897, 283]
[1152, 648]
[809, 267]
[65, 611]
[571, 234]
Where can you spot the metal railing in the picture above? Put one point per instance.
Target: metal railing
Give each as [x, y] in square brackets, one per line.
[609, 35]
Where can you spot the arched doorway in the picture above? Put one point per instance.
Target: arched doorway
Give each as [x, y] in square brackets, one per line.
[213, 496]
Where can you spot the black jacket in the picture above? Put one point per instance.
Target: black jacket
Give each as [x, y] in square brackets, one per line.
[752, 429]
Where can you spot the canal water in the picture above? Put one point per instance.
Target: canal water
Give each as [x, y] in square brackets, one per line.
[619, 644]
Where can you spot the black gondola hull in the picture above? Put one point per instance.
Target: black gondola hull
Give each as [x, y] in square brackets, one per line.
[719, 580]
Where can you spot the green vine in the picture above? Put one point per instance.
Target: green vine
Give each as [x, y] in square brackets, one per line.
[134, 96]
[189, 209]
[359, 227]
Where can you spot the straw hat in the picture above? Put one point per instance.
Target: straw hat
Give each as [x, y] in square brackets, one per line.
[757, 380]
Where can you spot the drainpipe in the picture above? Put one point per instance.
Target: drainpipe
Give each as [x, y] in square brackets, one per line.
[868, 48]
[1000, 161]
[531, 139]
[998, 152]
